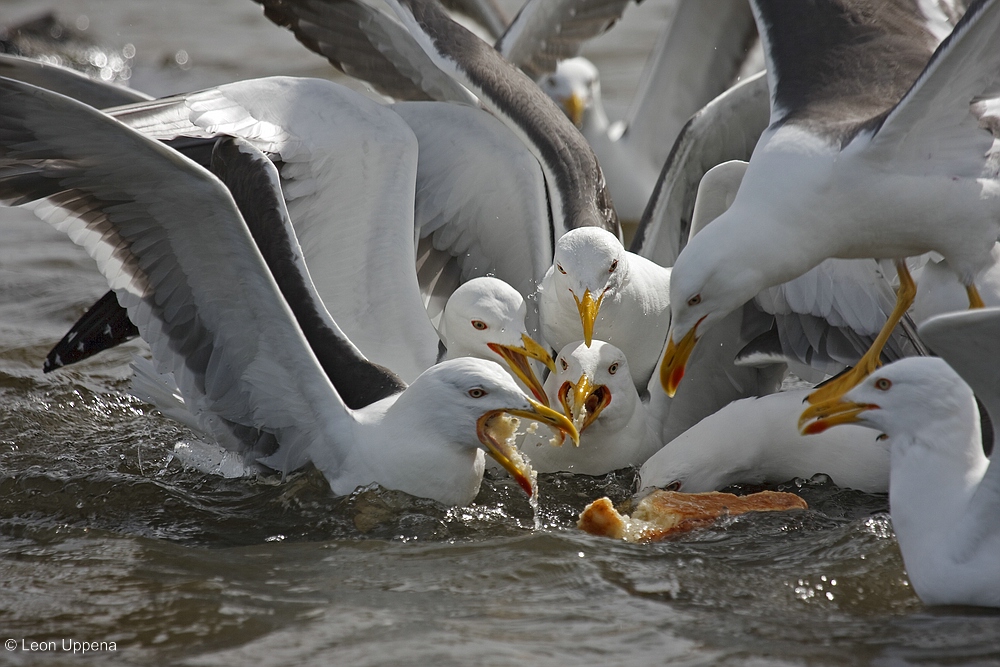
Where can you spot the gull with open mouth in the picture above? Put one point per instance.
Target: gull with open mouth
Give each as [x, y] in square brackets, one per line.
[944, 493]
[173, 246]
[881, 149]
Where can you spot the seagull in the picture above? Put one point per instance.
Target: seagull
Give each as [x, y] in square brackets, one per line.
[313, 147]
[620, 428]
[419, 53]
[484, 318]
[597, 289]
[859, 101]
[697, 57]
[754, 441]
[822, 321]
[520, 172]
[349, 188]
[340, 251]
[172, 244]
[369, 44]
[594, 388]
[944, 493]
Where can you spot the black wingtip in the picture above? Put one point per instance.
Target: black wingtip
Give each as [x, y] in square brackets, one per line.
[103, 326]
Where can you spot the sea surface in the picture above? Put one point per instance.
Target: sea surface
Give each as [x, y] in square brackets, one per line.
[105, 537]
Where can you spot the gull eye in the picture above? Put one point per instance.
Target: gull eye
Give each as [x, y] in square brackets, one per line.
[563, 363]
[480, 325]
[614, 265]
[695, 300]
[561, 269]
[673, 486]
[613, 368]
[477, 392]
[883, 384]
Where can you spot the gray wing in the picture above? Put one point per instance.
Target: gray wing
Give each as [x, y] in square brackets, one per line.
[937, 127]
[726, 129]
[486, 13]
[367, 44]
[578, 194]
[828, 317]
[547, 31]
[253, 181]
[480, 195]
[969, 341]
[696, 59]
[171, 243]
[348, 169]
[834, 65]
[68, 82]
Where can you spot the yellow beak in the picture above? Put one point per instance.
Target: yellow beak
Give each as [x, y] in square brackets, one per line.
[675, 360]
[517, 361]
[573, 106]
[588, 401]
[505, 453]
[834, 412]
[536, 351]
[588, 314]
[546, 415]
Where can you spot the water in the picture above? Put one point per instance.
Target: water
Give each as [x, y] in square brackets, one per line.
[103, 537]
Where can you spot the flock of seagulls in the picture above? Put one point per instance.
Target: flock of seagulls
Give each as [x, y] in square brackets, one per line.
[396, 291]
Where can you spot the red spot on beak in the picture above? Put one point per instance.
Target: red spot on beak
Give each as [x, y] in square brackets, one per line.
[676, 376]
[816, 427]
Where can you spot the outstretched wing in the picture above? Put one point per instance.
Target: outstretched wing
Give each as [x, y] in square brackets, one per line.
[696, 59]
[833, 65]
[367, 44]
[935, 127]
[480, 194]
[547, 31]
[348, 168]
[171, 243]
[726, 129]
[68, 82]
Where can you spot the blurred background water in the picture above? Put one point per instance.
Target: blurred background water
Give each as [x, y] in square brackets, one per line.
[104, 537]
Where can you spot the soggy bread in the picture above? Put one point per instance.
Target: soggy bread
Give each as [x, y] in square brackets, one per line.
[664, 513]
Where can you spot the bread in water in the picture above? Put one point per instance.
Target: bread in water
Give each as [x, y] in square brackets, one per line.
[665, 513]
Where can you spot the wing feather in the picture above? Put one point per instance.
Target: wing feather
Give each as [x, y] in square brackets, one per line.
[480, 194]
[934, 127]
[547, 31]
[348, 176]
[155, 219]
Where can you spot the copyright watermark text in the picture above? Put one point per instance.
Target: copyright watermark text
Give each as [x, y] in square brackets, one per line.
[66, 645]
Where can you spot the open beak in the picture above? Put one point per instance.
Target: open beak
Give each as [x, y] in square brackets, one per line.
[834, 412]
[675, 359]
[588, 314]
[490, 426]
[587, 403]
[517, 360]
[574, 106]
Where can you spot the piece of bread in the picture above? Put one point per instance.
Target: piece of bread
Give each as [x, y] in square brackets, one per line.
[664, 513]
